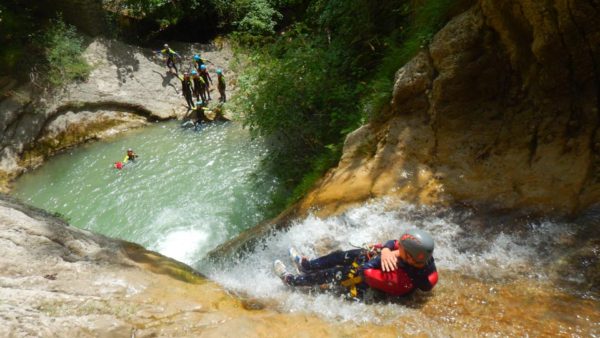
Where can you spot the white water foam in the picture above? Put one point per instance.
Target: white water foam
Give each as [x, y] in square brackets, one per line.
[183, 245]
[482, 255]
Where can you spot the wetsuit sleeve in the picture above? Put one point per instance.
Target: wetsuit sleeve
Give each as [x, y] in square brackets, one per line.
[391, 244]
[374, 263]
[428, 277]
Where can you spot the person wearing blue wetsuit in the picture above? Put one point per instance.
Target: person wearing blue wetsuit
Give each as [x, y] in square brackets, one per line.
[396, 268]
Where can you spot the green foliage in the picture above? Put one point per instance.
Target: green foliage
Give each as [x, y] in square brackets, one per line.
[16, 25]
[138, 7]
[61, 216]
[34, 44]
[62, 51]
[319, 165]
[425, 19]
[260, 18]
[323, 76]
[246, 17]
[293, 94]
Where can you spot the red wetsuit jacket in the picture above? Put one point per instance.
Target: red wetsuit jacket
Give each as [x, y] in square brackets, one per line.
[404, 280]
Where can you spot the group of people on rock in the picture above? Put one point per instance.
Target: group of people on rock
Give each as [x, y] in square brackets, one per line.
[195, 83]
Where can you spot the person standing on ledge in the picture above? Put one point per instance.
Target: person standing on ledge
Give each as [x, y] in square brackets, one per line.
[186, 89]
[221, 85]
[199, 61]
[199, 86]
[396, 268]
[204, 73]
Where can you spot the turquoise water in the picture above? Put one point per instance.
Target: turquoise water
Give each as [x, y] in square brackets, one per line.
[188, 192]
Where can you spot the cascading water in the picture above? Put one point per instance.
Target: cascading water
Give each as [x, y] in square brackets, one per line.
[491, 281]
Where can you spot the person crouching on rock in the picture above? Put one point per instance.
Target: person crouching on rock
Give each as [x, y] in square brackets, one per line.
[186, 89]
[395, 268]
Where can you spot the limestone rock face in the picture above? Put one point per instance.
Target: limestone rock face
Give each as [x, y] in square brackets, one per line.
[501, 109]
[60, 281]
[127, 88]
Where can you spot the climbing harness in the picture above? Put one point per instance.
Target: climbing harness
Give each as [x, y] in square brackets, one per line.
[353, 279]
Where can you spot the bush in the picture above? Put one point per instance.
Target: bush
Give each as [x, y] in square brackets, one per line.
[62, 51]
[293, 94]
[320, 78]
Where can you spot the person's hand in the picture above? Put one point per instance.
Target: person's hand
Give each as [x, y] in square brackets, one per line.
[388, 260]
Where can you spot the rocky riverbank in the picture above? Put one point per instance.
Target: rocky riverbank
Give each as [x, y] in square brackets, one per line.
[127, 88]
[57, 280]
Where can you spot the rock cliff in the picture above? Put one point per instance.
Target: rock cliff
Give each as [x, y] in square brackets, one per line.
[60, 281]
[500, 110]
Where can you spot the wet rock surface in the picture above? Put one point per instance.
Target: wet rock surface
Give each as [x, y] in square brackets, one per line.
[60, 281]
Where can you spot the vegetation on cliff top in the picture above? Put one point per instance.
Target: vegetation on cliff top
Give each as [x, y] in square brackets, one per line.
[39, 45]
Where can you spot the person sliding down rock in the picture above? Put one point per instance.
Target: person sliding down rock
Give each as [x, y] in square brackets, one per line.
[395, 268]
[186, 89]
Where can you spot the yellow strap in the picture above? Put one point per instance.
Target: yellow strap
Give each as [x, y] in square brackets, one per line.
[351, 282]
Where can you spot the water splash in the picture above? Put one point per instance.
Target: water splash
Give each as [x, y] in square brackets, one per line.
[492, 256]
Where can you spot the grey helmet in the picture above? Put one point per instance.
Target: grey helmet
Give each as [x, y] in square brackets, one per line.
[418, 243]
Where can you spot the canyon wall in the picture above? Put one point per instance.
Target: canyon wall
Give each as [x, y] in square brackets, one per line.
[500, 110]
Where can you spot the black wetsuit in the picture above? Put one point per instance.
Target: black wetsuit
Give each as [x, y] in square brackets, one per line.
[186, 89]
[221, 86]
[335, 267]
[207, 80]
[199, 88]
